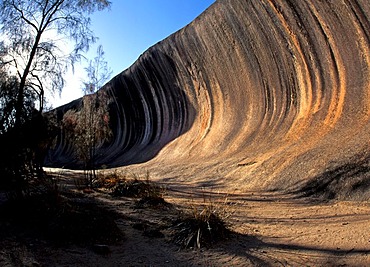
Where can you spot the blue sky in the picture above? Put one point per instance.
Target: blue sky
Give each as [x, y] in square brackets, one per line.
[128, 29]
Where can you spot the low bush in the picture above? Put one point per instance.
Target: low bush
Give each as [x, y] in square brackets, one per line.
[109, 180]
[48, 214]
[122, 185]
[203, 226]
[83, 223]
[156, 202]
[136, 188]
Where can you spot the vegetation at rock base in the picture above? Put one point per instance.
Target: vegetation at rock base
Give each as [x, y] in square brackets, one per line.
[138, 188]
[203, 226]
[60, 219]
[88, 128]
[195, 227]
[33, 62]
[123, 185]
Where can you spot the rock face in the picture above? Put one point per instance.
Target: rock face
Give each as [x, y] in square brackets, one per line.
[255, 94]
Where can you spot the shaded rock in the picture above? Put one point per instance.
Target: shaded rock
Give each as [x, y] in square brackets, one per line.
[282, 84]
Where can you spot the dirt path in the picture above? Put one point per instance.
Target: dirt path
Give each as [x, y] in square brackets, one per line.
[282, 230]
[270, 230]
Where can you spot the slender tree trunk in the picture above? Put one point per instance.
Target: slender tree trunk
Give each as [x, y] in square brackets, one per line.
[22, 86]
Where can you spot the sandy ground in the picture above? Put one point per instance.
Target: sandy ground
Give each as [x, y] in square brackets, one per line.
[269, 230]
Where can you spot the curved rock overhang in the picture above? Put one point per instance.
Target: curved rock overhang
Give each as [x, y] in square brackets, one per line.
[259, 94]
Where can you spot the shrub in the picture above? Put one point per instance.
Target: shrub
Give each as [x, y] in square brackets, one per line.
[138, 188]
[202, 227]
[157, 202]
[48, 214]
[109, 180]
[83, 223]
[22, 153]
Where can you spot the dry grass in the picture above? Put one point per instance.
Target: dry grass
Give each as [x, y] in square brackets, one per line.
[202, 225]
[131, 185]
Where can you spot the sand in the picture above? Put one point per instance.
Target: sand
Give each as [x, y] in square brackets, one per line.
[269, 229]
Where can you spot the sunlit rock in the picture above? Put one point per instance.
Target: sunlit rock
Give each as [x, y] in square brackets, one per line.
[253, 94]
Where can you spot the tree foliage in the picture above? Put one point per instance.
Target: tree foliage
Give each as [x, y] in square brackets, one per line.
[89, 127]
[34, 31]
[34, 56]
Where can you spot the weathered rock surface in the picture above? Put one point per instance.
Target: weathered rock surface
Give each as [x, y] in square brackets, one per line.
[255, 94]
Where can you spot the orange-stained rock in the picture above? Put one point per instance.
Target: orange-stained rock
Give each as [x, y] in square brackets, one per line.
[254, 95]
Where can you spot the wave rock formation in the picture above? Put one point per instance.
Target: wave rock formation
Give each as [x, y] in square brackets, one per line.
[256, 95]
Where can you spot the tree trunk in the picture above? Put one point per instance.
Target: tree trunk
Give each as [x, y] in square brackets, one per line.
[22, 86]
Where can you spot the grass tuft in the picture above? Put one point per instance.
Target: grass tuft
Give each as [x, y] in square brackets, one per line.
[122, 185]
[202, 227]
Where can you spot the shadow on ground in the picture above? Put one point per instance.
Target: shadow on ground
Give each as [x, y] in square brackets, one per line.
[131, 236]
[347, 181]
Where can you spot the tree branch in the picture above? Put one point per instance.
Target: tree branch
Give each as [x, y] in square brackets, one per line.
[23, 17]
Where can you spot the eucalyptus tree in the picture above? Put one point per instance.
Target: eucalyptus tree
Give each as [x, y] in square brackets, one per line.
[40, 40]
[35, 34]
[89, 126]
